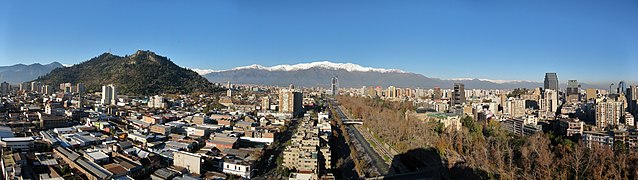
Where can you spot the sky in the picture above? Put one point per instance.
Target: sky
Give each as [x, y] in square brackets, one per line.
[592, 41]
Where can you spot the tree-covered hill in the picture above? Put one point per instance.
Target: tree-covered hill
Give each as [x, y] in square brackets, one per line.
[144, 73]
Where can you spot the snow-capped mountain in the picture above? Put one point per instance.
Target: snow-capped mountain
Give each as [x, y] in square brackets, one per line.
[493, 80]
[318, 74]
[350, 67]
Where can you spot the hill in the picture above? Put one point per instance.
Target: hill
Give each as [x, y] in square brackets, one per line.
[21, 73]
[143, 73]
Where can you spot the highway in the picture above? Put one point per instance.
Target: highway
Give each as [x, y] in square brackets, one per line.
[378, 161]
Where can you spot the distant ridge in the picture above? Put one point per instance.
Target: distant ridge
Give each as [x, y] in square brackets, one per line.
[143, 72]
[318, 74]
[20, 72]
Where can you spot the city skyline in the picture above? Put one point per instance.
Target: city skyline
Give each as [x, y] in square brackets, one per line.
[592, 42]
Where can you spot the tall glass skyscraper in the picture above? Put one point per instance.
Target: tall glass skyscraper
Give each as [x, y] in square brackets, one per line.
[551, 81]
[622, 88]
[334, 87]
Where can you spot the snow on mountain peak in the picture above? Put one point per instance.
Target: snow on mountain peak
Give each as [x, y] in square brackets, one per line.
[350, 67]
[497, 81]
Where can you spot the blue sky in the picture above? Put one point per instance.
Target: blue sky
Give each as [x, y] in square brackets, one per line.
[589, 40]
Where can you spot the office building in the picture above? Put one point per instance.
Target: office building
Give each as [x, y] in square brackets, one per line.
[5, 88]
[622, 88]
[549, 103]
[334, 87]
[109, 95]
[458, 95]
[631, 92]
[573, 94]
[551, 81]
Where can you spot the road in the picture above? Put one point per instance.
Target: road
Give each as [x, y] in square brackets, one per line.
[377, 160]
[266, 165]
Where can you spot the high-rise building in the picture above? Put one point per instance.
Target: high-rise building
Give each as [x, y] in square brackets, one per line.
[549, 103]
[551, 81]
[379, 91]
[79, 88]
[632, 92]
[437, 93]
[391, 92]
[25, 86]
[67, 88]
[5, 88]
[265, 103]
[36, 86]
[334, 86]
[515, 107]
[608, 113]
[157, 101]
[47, 90]
[622, 88]
[573, 93]
[591, 94]
[109, 95]
[458, 95]
[631, 100]
[290, 101]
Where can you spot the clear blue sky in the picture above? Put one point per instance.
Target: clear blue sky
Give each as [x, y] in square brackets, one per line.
[588, 40]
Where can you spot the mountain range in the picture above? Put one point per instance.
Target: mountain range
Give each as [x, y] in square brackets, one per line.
[350, 75]
[21, 73]
[144, 73]
[147, 73]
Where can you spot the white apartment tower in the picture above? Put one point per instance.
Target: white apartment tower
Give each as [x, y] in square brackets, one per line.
[109, 94]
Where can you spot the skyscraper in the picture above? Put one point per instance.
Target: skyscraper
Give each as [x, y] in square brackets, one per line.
[572, 91]
[458, 95]
[632, 93]
[334, 87]
[109, 94]
[550, 102]
[5, 88]
[551, 81]
[622, 88]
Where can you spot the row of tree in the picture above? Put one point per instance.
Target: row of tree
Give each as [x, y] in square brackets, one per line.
[484, 150]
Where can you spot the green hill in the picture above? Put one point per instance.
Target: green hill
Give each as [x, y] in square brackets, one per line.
[143, 73]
